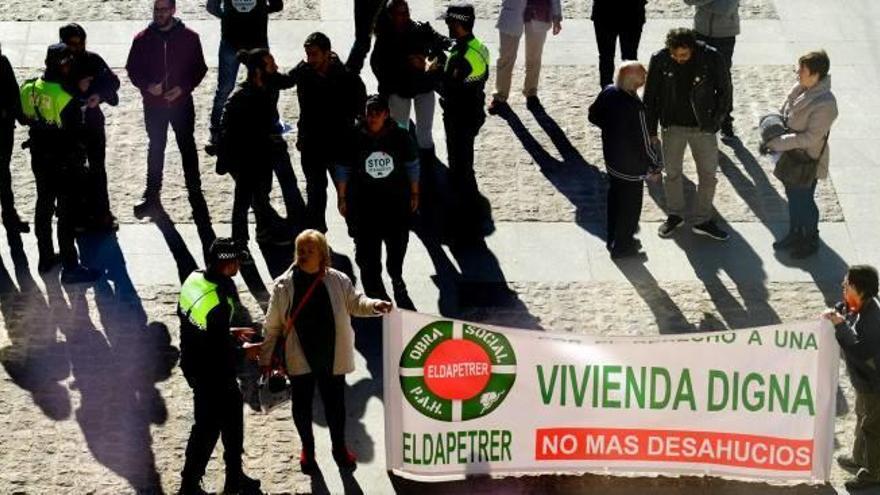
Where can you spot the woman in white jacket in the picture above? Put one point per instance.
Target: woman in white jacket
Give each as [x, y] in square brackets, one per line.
[311, 307]
[534, 18]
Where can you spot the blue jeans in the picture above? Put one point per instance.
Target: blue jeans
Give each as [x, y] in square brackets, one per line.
[227, 72]
[803, 213]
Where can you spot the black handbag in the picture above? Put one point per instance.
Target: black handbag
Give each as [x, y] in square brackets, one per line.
[797, 168]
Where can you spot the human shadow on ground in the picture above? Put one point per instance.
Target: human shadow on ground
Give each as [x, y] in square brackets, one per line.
[114, 369]
[585, 187]
[826, 267]
[35, 360]
[582, 183]
[712, 259]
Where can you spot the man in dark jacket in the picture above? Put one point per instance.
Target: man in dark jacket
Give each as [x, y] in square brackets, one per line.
[166, 65]
[613, 20]
[250, 116]
[10, 111]
[210, 349]
[94, 83]
[688, 93]
[856, 322]
[331, 99]
[462, 96]
[378, 194]
[630, 157]
[243, 26]
[399, 60]
[58, 160]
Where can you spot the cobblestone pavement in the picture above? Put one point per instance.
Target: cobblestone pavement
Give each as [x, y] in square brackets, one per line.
[91, 399]
[580, 9]
[98, 10]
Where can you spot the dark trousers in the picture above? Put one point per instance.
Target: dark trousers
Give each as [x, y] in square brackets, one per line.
[96, 151]
[293, 201]
[803, 213]
[7, 202]
[227, 72]
[218, 414]
[58, 178]
[461, 132]
[316, 164]
[624, 210]
[365, 13]
[252, 187]
[368, 255]
[332, 390]
[607, 35]
[866, 445]
[725, 48]
[181, 118]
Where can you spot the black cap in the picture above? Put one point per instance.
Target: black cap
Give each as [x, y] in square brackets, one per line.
[377, 102]
[224, 249]
[463, 13]
[58, 54]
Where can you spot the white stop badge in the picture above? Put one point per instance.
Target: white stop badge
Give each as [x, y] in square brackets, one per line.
[379, 165]
[244, 5]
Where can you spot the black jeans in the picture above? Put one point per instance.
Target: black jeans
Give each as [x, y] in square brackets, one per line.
[725, 47]
[368, 255]
[316, 164]
[217, 408]
[7, 201]
[252, 187]
[181, 118]
[803, 214]
[365, 13]
[96, 151]
[58, 180]
[461, 132]
[293, 201]
[624, 209]
[332, 390]
[606, 41]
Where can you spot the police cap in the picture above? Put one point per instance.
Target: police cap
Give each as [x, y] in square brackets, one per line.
[463, 12]
[224, 249]
[58, 54]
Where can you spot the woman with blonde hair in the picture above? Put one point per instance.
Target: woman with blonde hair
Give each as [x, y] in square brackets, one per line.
[311, 308]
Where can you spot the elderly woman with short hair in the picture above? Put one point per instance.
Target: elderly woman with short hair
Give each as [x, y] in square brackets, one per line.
[809, 110]
[311, 308]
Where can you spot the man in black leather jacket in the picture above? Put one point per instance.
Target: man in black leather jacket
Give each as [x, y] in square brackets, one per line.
[689, 93]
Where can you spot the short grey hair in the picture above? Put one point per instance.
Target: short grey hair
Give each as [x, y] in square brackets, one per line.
[628, 75]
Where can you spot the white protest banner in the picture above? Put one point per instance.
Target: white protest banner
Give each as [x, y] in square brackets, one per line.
[465, 398]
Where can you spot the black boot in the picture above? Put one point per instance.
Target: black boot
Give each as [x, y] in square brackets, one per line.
[792, 239]
[239, 483]
[191, 487]
[808, 246]
[147, 206]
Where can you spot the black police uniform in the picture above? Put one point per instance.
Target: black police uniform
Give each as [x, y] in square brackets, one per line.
[209, 353]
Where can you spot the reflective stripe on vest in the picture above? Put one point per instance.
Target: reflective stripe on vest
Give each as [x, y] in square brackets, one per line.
[198, 297]
[43, 101]
[477, 56]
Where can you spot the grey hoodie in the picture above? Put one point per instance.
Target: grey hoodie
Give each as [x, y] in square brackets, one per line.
[716, 18]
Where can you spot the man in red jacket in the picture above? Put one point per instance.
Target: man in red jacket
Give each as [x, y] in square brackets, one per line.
[166, 63]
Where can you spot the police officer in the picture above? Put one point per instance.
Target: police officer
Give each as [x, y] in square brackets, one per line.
[377, 194]
[209, 352]
[462, 97]
[58, 162]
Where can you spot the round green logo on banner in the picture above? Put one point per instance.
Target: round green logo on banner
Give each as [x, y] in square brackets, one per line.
[452, 371]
